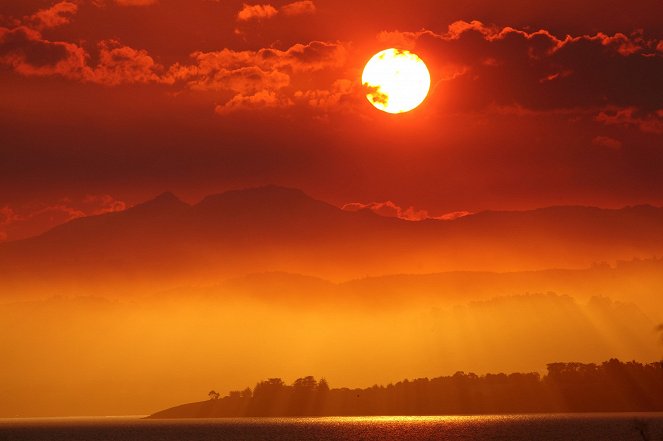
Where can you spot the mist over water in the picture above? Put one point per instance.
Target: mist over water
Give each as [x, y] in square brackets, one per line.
[617, 427]
[90, 356]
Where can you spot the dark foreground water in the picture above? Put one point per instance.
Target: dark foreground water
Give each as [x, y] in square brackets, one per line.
[618, 427]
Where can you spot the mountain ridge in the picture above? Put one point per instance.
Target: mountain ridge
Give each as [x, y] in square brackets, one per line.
[269, 194]
[271, 228]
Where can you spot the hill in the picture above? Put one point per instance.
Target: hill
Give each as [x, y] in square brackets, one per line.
[611, 386]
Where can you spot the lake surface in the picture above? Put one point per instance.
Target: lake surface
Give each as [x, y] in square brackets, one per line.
[618, 427]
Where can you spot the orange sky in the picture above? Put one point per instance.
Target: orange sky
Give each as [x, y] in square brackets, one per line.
[105, 103]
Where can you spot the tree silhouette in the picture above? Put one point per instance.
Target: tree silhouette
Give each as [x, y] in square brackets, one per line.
[269, 398]
[611, 386]
[246, 393]
[321, 396]
[214, 395]
[303, 396]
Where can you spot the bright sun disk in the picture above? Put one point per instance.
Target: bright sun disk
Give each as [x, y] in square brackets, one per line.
[396, 81]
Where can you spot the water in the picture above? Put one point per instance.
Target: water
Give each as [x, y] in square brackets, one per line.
[604, 427]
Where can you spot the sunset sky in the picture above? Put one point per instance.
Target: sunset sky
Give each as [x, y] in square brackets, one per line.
[107, 103]
[534, 167]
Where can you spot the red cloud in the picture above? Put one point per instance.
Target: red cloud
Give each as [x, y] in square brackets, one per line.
[266, 11]
[390, 209]
[475, 67]
[94, 204]
[120, 64]
[260, 100]
[256, 12]
[607, 142]
[258, 78]
[28, 53]
[135, 2]
[7, 217]
[315, 56]
[57, 15]
[311, 57]
[299, 8]
[630, 116]
[25, 221]
[541, 55]
[336, 96]
[213, 74]
[495, 67]
[454, 215]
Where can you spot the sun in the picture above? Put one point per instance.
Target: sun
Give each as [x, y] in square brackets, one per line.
[396, 80]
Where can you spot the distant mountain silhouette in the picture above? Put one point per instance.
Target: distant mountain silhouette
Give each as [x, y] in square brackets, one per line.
[279, 229]
[638, 281]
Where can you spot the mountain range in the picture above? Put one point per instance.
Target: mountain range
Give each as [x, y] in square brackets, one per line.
[166, 242]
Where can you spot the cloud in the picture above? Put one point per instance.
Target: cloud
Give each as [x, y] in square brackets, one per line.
[311, 57]
[243, 80]
[454, 215]
[127, 3]
[260, 78]
[31, 219]
[475, 66]
[135, 2]
[255, 78]
[337, 96]
[299, 8]
[402, 39]
[390, 209]
[537, 70]
[252, 76]
[607, 142]
[24, 50]
[101, 203]
[57, 15]
[262, 99]
[256, 12]
[631, 116]
[29, 54]
[120, 64]
[267, 11]
[7, 216]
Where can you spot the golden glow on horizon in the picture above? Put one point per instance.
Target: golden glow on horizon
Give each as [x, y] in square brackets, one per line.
[396, 81]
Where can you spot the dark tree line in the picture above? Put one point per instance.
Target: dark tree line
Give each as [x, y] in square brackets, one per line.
[567, 387]
[612, 386]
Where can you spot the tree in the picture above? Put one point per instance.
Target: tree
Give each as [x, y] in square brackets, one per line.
[214, 395]
[323, 386]
[321, 395]
[247, 393]
[303, 394]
